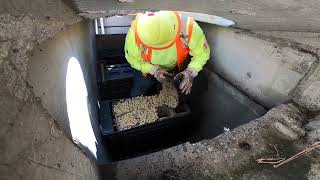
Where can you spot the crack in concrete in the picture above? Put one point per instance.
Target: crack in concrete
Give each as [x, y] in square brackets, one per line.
[52, 167]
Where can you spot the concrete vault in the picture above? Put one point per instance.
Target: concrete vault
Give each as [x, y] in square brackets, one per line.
[261, 98]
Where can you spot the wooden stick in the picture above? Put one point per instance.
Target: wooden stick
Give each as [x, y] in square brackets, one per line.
[270, 160]
[276, 160]
[307, 150]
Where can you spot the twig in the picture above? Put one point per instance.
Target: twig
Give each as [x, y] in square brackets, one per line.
[307, 150]
[270, 160]
[51, 167]
[276, 160]
[275, 147]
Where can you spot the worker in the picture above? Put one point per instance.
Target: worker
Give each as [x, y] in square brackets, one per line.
[160, 42]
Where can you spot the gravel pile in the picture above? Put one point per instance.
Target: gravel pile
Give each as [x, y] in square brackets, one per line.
[141, 110]
[168, 95]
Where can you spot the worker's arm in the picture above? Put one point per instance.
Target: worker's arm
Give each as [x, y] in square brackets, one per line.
[199, 48]
[133, 54]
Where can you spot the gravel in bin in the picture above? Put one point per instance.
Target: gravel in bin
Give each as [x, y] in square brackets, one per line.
[136, 118]
[141, 110]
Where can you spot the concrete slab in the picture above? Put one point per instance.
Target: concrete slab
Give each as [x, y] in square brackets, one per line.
[284, 15]
[308, 94]
[224, 157]
[263, 70]
[308, 40]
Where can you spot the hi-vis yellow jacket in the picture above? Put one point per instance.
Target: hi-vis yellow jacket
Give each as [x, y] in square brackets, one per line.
[194, 41]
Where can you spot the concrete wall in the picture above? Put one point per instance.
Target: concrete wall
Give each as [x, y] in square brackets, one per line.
[210, 104]
[32, 144]
[307, 93]
[49, 65]
[62, 74]
[267, 71]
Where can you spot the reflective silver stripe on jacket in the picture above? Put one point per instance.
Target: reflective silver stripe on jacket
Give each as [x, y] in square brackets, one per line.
[184, 34]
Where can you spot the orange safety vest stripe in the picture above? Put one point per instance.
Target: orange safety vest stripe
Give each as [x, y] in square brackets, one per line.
[182, 51]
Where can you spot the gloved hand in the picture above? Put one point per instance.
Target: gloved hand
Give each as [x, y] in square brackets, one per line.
[187, 77]
[159, 73]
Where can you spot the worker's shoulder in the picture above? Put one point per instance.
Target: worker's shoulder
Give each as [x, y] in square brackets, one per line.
[130, 35]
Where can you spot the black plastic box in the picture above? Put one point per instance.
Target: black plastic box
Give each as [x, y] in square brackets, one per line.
[145, 138]
[116, 81]
[110, 57]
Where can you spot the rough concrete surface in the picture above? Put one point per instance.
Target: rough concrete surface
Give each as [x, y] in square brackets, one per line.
[32, 146]
[226, 156]
[313, 129]
[314, 173]
[260, 175]
[264, 70]
[310, 39]
[23, 25]
[284, 15]
[308, 94]
[289, 125]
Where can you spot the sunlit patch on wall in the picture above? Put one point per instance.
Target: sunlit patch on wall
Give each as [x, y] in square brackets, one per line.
[77, 99]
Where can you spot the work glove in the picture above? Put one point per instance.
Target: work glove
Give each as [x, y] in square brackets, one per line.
[186, 79]
[159, 73]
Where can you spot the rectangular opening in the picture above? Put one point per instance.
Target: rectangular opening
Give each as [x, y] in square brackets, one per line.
[213, 106]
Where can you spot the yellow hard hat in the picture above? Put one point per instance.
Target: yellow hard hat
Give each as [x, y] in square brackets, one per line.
[157, 29]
